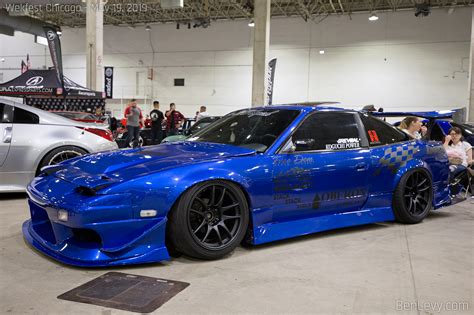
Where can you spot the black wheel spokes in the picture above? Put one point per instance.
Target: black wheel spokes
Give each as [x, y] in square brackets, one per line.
[214, 217]
[417, 193]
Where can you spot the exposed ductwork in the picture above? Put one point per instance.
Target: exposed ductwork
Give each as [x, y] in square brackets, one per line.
[24, 24]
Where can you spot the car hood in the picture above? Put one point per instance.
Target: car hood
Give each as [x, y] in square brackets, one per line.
[100, 170]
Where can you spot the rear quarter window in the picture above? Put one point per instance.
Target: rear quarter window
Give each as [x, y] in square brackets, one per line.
[21, 116]
[381, 133]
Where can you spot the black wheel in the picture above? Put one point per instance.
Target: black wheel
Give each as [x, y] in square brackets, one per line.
[413, 197]
[61, 154]
[209, 220]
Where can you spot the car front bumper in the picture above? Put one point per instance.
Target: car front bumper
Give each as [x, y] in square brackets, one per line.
[93, 244]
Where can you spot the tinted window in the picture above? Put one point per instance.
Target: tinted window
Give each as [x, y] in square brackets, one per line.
[327, 131]
[251, 128]
[381, 133]
[21, 116]
[6, 113]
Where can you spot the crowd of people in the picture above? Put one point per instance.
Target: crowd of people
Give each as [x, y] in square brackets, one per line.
[171, 121]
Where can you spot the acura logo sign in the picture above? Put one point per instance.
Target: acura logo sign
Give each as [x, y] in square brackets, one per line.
[51, 35]
[34, 81]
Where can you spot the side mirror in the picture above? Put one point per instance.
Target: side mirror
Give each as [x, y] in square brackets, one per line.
[304, 144]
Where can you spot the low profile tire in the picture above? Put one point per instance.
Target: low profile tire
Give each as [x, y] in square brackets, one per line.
[209, 221]
[412, 200]
[61, 154]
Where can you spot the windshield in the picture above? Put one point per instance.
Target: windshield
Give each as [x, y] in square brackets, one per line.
[204, 122]
[251, 128]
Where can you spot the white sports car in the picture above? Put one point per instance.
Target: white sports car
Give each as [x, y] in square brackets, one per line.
[32, 138]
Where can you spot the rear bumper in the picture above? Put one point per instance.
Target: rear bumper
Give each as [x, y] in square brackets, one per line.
[138, 241]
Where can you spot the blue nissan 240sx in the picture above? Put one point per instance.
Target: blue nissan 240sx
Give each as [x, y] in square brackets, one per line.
[256, 175]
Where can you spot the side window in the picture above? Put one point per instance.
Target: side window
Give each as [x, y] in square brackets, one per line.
[21, 116]
[6, 113]
[381, 133]
[327, 131]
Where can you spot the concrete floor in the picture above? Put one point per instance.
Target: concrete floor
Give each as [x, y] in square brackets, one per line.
[380, 268]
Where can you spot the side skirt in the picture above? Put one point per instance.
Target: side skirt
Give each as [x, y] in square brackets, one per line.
[282, 230]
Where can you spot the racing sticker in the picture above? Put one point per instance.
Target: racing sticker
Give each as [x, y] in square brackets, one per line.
[344, 143]
[374, 138]
[293, 179]
[395, 157]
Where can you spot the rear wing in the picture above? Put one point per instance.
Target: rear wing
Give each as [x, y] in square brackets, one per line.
[442, 114]
[432, 117]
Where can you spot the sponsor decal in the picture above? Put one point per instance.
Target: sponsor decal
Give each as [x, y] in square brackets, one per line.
[341, 195]
[85, 93]
[298, 160]
[344, 143]
[34, 80]
[374, 138]
[291, 180]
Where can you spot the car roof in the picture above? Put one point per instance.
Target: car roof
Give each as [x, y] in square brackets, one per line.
[47, 117]
[308, 106]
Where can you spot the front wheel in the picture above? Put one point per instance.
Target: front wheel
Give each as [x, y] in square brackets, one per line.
[413, 197]
[209, 221]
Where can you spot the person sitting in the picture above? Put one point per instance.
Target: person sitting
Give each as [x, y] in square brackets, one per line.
[460, 150]
[413, 127]
[459, 154]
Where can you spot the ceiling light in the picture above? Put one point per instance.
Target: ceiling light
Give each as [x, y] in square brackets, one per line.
[373, 17]
[148, 28]
[251, 23]
[321, 52]
[3, 59]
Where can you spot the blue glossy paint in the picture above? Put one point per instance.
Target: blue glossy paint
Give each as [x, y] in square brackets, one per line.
[289, 194]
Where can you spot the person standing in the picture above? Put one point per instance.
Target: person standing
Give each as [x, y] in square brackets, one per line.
[174, 120]
[133, 114]
[157, 117]
[202, 113]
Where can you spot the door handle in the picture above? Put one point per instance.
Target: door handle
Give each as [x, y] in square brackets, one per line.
[361, 166]
[7, 135]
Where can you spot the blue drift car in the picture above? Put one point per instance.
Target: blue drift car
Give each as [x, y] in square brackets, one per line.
[257, 175]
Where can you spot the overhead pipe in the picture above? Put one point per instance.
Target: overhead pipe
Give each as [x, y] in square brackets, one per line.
[24, 24]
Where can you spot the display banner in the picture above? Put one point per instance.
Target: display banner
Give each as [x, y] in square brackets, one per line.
[109, 82]
[55, 50]
[270, 78]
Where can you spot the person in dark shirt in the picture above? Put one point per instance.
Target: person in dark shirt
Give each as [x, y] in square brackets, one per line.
[157, 117]
[174, 120]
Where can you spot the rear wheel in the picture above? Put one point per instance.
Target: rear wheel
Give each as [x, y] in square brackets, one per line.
[209, 220]
[413, 197]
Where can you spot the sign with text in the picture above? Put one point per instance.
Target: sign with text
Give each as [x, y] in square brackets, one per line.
[109, 82]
